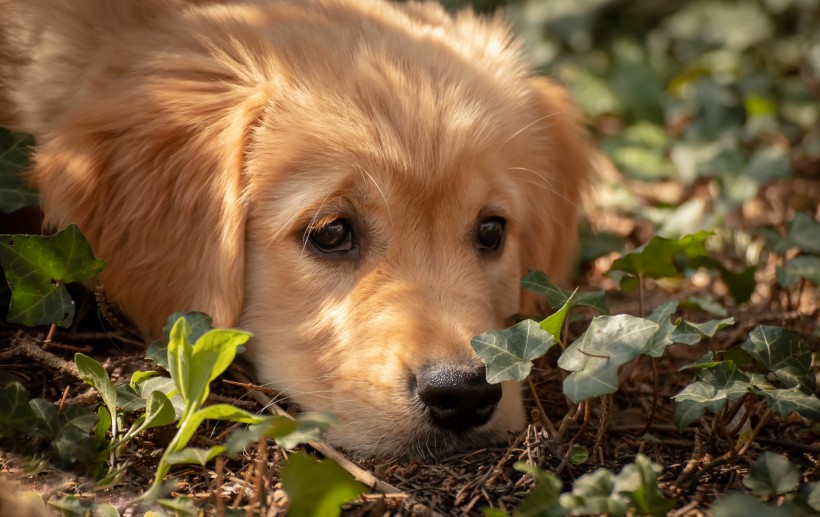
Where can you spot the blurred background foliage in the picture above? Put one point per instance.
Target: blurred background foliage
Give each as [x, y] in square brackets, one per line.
[715, 96]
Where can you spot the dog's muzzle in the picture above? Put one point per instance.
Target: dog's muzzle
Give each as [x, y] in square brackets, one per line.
[457, 398]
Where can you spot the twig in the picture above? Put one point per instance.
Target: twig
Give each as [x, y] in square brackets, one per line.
[51, 330]
[544, 417]
[730, 455]
[24, 346]
[655, 389]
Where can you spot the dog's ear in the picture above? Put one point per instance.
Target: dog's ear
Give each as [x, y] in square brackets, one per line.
[150, 164]
[551, 242]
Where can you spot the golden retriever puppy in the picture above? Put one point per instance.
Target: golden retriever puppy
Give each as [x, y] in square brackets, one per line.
[360, 184]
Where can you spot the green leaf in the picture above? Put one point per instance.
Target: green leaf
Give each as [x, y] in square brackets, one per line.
[804, 266]
[781, 351]
[594, 358]
[578, 455]
[714, 387]
[705, 303]
[692, 333]
[199, 322]
[15, 411]
[804, 232]
[537, 282]
[139, 376]
[179, 362]
[646, 496]
[273, 426]
[104, 510]
[159, 411]
[734, 505]
[555, 322]
[95, 375]
[194, 455]
[102, 427]
[543, 500]
[662, 338]
[15, 150]
[640, 151]
[310, 428]
[509, 353]
[211, 355]
[772, 474]
[315, 488]
[36, 269]
[69, 433]
[786, 401]
[157, 351]
[595, 494]
[655, 259]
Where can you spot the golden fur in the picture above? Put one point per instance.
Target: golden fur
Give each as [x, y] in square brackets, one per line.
[195, 142]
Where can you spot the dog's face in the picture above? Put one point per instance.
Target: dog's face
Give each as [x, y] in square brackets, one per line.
[364, 201]
[394, 229]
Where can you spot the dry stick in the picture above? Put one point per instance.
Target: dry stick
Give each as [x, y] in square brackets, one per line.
[730, 455]
[571, 416]
[544, 417]
[261, 468]
[28, 347]
[220, 502]
[62, 400]
[568, 454]
[328, 451]
[51, 330]
[655, 389]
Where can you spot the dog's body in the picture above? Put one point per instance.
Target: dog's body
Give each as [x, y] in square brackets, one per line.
[359, 184]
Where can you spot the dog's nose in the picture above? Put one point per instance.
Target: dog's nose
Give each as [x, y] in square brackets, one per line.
[458, 398]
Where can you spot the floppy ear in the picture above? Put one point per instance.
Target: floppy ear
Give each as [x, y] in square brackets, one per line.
[552, 238]
[149, 163]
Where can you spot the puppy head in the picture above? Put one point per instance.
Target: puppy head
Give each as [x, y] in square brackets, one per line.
[397, 197]
[362, 188]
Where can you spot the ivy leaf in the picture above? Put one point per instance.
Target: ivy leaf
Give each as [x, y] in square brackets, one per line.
[714, 387]
[69, 433]
[804, 266]
[772, 474]
[595, 494]
[594, 358]
[309, 428]
[543, 500]
[692, 333]
[15, 150]
[537, 282]
[199, 322]
[646, 496]
[705, 303]
[662, 315]
[655, 259]
[37, 267]
[781, 352]
[509, 353]
[317, 488]
[15, 411]
[804, 232]
[555, 322]
[741, 504]
[786, 401]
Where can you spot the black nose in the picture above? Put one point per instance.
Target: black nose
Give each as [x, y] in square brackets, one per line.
[458, 398]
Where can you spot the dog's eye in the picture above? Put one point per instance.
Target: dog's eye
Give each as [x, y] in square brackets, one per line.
[333, 237]
[490, 234]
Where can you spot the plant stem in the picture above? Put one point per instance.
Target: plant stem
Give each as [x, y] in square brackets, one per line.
[544, 417]
[652, 408]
